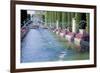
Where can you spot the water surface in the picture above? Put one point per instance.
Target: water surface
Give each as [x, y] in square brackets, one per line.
[40, 45]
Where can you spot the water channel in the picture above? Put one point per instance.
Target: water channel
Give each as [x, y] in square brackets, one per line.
[40, 45]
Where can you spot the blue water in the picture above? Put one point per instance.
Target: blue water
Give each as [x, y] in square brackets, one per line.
[40, 45]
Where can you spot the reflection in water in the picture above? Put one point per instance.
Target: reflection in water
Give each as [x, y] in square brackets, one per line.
[40, 45]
